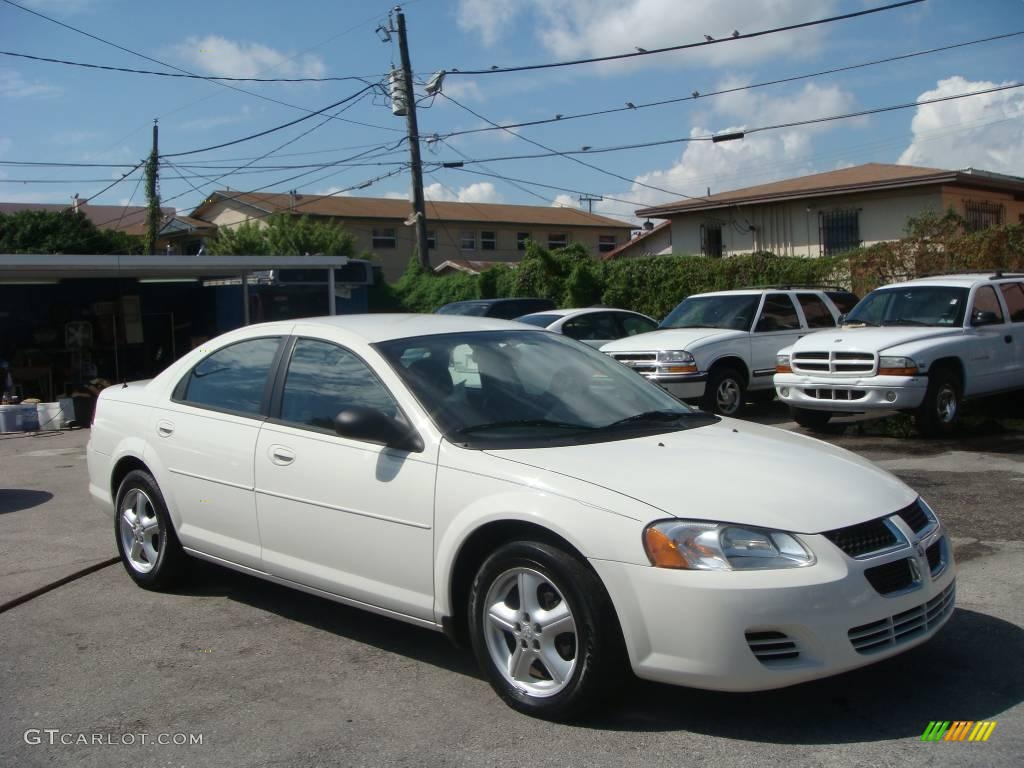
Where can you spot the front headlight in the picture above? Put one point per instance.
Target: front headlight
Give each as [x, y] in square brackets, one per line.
[675, 356]
[896, 366]
[696, 545]
[782, 364]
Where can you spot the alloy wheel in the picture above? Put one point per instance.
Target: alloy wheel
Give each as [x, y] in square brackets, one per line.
[727, 397]
[946, 404]
[140, 531]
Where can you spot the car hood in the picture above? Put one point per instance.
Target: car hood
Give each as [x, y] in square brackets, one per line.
[869, 339]
[669, 338]
[732, 471]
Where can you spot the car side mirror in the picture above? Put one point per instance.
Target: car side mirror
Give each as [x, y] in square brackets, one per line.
[984, 317]
[360, 422]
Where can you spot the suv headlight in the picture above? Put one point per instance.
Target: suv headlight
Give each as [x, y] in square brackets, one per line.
[896, 366]
[696, 545]
[676, 361]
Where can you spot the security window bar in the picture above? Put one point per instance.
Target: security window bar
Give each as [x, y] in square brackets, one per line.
[384, 238]
[839, 231]
[711, 240]
[979, 215]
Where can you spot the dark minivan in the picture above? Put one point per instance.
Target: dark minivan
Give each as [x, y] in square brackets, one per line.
[506, 309]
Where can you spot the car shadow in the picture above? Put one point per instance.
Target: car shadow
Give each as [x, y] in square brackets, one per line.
[964, 673]
[17, 499]
[391, 635]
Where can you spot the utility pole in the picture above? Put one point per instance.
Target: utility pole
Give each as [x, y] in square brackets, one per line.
[153, 214]
[590, 200]
[418, 207]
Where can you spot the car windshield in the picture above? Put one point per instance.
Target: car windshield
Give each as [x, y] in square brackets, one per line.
[734, 312]
[925, 305]
[464, 308]
[541, 321]
[519, 389]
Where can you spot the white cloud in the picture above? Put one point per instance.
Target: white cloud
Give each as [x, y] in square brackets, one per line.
[14, 86]
[478, 192]
[584, 28]
[461, 89]
[991, 136]
[564, 201]
[216, 55]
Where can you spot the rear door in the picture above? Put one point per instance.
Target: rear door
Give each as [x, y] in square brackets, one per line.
[1013, 298]
[206, 438]
[990, 359]
[778, 325]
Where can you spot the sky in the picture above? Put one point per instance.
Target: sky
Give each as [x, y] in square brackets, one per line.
[58, 113]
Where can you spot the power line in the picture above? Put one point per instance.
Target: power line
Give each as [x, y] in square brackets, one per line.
[695, 95]
[179, 69]
[685, 46]
[289, 124]
[360, 78]
[685, 139]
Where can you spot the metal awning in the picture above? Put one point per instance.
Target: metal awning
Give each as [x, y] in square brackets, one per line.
[29, 266]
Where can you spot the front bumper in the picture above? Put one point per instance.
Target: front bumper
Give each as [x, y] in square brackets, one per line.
[692, 627]
[851, 394]
[683, 386]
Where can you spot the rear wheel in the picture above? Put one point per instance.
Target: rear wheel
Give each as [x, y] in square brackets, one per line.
[939, 413]
[146, 540]
[813, 420]
[726, 390]
[544, 631]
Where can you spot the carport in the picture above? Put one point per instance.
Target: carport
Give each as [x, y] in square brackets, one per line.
[66, 318]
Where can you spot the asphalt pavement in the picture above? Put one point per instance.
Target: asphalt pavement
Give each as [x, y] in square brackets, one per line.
[264, 676]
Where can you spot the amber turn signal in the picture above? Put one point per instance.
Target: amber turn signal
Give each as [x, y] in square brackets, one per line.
[897, 371]
[783, 369]
[680, 369]
[661, 551]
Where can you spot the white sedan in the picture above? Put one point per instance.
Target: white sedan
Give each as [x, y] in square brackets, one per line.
[594, 326]
[518, 490]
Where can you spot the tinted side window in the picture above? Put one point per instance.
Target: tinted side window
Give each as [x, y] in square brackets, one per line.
[985, 301]
[1013, 295]
[233, 378]
[778, 314]
[843, 300]
[324, 379]
[634, 324]
[816, 311]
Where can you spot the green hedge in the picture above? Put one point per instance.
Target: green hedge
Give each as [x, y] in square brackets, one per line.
[654, 285]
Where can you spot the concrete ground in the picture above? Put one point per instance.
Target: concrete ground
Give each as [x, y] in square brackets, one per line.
[271, 677]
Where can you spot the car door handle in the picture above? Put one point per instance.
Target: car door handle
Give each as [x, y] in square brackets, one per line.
[281, 456]
[164, 428]
[1008, 339]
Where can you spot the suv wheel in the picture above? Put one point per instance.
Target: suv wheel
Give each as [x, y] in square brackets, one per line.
[726, 390]
[812, 420]
[939, 413]
[544, 631]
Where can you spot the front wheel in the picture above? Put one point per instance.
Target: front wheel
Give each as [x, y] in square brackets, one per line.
[146, 540]
[544, 631]
[939, 413]
[725, 393]
[813, 420]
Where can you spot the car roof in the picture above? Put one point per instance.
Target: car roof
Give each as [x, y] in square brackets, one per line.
[955, 281]
[489, 302]
[580, 311]
[373, 328]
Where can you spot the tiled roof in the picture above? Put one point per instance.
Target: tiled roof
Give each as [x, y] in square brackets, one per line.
[129, 219]
[631, 243]
[388, 208]
[859, 178]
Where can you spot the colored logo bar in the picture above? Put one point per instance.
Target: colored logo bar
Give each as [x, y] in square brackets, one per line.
[958, 730]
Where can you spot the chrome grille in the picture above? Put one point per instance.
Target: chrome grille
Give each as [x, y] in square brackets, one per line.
[897, 629]
[893, 577]
[834, 363]
[915, 517]
[866, 538]
[771, 647]
[641, 362]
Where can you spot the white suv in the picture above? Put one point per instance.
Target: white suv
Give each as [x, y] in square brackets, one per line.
[720, 347]
[921, 346]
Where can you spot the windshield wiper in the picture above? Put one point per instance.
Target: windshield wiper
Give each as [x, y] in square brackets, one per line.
[907, 321]
[650, 416]
[521, 423]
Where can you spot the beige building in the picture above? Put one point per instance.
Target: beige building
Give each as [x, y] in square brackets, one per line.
[456, 231]
[828, 213]
[656, 241]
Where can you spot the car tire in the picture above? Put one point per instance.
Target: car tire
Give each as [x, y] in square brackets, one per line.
[149, 547]
[725, 392]
[939, 413]
[813, 420]
[534, 666]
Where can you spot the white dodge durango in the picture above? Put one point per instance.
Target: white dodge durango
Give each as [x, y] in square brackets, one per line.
[527, 495]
